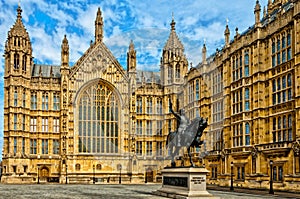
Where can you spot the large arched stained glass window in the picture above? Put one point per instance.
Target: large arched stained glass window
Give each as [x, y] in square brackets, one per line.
[98, 119]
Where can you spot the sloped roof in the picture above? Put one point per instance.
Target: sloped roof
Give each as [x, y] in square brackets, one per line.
[147, 76]
[38, 70]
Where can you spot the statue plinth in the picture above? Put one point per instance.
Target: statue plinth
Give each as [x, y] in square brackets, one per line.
[185, 183]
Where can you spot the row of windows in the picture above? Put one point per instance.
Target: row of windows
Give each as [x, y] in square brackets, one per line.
[149, 128]
[281, 49]
[34, 121]
[237, 66]
[193, 91]
[217, 111]
[239, 137]
[45, 101]
[148, 148]
[149, 105]
[170, 73]
[217, 82]
[43, 145]
[282, 128]
[17, 61]
[282, 89]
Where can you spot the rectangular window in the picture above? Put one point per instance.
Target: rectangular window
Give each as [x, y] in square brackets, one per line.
[24, 99]
[139, 148]
[23, 122]
[55, 125]
[15, 121]
[33, 101]
[149, 105]
[45, 101]
[33, 146]
[23, 146]
[44, 146]
[159, 126]
[139, 105]
[159, 106]
[149, 128]
[149, 148]
[159, 148]
[241, 173]
[16, 97]
[139, 127]
[15, 145]
[33, 124]
[56, 102]
[55, 146]
[44, 124]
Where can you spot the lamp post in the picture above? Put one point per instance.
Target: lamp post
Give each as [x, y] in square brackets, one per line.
[231, 176]
[271, 177]
[66, 174]
[120, 168]
[38, 174]
[93, 174]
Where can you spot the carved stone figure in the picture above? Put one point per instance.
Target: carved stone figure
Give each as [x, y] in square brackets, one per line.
[188, 134]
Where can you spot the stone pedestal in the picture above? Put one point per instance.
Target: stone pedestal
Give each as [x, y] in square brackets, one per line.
[185, 183]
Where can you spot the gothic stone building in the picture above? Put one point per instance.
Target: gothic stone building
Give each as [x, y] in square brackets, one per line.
[95, 120]
[250, 92]
[91, 121]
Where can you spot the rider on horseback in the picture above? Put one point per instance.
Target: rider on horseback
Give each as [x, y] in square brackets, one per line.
[183, 122]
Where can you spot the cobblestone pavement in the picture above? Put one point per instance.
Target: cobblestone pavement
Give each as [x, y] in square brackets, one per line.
[60, 191]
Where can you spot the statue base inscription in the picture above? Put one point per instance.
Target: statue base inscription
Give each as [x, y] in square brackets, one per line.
[185, 183]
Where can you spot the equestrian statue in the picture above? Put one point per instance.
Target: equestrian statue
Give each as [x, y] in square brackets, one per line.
[187, 135]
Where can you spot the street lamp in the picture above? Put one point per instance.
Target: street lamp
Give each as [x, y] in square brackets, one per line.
[93, 174]
[38, 174]
[231, 176]
[271, 177]
[66, 174]
[120, 168]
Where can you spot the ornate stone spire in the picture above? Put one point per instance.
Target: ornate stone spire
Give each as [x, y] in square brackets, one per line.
[173, 43]
[98, 27]
[65, 52]
[227, 33]
[257, 13]
[18, 28]
[131, 57]
[204, 53]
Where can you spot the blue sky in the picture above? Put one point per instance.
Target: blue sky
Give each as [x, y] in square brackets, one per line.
[145, 22]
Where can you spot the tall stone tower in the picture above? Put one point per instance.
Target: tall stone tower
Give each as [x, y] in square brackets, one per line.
[174, 67]
[18, 62]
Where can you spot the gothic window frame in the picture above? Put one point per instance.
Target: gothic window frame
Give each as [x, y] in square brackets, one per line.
[98, 109]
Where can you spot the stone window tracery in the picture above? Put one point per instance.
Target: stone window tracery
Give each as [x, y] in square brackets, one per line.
[98, 120]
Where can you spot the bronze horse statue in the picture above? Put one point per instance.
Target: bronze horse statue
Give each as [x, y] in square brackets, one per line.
[187, 134]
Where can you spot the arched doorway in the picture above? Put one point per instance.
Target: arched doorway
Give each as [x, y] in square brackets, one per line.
[44, 174]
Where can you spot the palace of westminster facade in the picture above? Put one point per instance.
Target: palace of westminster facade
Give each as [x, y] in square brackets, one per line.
[96, 120]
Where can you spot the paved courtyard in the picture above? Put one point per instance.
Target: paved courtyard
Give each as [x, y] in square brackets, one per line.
[60, 191]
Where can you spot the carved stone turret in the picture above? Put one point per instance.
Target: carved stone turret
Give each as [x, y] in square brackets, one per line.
[131, 58]
[65, 53]
[98, 27]
[227, 35]
[18, 50]
[204, 54]
[257, 13]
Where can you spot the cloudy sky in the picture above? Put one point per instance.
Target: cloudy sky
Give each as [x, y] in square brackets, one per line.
[146, 22]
